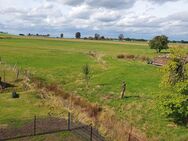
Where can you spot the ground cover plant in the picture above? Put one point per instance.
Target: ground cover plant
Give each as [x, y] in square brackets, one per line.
[62, 61]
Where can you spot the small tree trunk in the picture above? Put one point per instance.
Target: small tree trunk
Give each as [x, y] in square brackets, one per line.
[17, 74]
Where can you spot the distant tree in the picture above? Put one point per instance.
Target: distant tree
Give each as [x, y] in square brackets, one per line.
[90, 38]
[97, 36]
[78, 35]
[128, 39]
[48, 35]
[121, 36]
[159, 43]
[21, 34]
[29, 34]
[61, 35]
[102, 38]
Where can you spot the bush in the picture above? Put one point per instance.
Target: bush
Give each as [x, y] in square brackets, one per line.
[121, 56]
[130, 56]
[176, 107]
[182, 87]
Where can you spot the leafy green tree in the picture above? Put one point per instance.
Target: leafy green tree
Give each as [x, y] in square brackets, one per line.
[159, 43]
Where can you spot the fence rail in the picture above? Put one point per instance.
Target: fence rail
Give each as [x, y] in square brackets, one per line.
[49, 125]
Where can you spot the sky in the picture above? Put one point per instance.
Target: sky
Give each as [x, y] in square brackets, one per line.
[133, 18]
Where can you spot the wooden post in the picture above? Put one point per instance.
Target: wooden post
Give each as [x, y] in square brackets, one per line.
[130, 132]
[34, 125]
[91, 133]
[124, 85]
[69, 121]
[4, 76]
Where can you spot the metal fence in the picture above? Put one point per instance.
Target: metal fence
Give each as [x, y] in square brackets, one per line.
[48, 125]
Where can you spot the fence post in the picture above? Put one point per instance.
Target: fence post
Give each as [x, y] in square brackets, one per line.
[91, 133]
[34, 125]
[130, 132]
[69, 121]
[4, 76]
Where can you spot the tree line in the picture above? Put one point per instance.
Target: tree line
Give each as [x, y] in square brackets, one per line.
[120, 37]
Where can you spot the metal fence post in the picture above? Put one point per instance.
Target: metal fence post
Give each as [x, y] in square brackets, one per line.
[91, 133]
[69, 121]
[34, 125]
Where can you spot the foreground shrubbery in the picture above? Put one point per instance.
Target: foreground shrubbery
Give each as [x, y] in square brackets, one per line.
[176, 77]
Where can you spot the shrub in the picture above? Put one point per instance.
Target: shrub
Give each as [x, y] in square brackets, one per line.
[182, 87]
[130, 56]
[176, 107]
[121, 56]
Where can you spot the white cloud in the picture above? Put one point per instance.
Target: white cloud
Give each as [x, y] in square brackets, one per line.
[131, 17]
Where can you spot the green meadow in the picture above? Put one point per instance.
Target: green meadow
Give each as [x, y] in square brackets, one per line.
[62, 61]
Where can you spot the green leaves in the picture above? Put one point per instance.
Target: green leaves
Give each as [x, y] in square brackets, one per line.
[182, 87]
[175, 76]
[176, 107]
[158, 43]
[176, 69]
[86, 72]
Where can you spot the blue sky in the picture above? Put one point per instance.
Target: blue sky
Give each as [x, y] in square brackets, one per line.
[133, 18]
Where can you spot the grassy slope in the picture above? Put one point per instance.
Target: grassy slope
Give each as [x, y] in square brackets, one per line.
[62, 61]
[16, 112]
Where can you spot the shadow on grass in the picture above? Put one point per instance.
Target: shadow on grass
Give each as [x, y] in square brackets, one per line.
[104, 84]
[132, 97]
[165, 52]
[5, 85]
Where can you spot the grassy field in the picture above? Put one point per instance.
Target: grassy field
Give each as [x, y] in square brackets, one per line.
[61, 61]
[17, 112]
[65, 136]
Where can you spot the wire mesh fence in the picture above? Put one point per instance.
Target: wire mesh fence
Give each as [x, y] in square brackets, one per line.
[46, 125]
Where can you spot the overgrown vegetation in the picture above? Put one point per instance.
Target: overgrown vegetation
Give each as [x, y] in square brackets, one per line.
[175, 76]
